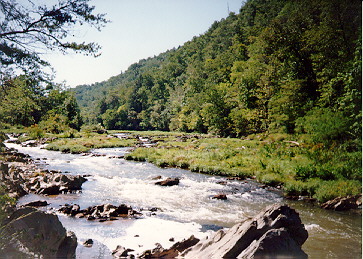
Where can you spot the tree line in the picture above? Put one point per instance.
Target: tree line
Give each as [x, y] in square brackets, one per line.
[277, 66]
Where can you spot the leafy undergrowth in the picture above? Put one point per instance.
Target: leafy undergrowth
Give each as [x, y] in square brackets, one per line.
[276, 160]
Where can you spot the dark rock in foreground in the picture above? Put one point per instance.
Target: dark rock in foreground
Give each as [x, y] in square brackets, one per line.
[37, 234]
[275, 232]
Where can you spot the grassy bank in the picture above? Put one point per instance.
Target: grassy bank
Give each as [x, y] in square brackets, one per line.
[83, 143]
[276, 160]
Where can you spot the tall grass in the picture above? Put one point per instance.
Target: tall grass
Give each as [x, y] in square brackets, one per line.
[301, 169]
[84, 144]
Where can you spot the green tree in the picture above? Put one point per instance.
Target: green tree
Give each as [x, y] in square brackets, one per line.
[27, 28]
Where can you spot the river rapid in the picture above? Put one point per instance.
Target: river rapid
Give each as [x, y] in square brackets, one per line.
[183, 210]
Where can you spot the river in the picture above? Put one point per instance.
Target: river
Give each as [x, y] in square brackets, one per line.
[184, 210]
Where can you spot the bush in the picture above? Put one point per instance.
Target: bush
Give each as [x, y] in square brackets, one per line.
[55, 124]
[329, 190]
[35, 132]
[324, 125]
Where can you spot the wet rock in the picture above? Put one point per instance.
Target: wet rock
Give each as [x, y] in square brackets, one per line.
[172, 252]
[36, 204]
[276, 232]
[101, 212]
[168, 182]
[42, 235]
[88, 243]
[343, 204]
[58, 183]
[220, 197]
[122, 252]
[21, 179]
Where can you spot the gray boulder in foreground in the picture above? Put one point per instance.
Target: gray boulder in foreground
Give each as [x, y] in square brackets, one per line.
[36, 234]
[276, 232]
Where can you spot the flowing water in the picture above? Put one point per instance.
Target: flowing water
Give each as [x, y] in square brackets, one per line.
[183, 210]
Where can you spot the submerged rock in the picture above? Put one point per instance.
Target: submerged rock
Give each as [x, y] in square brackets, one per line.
[220, 196]
[275, 232]
[38, 234]
[88, 243]
[168, 182]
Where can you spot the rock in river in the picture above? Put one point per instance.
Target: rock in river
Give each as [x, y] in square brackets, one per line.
[345, 203]
[37, 235]
[275, 232]
[168, 182]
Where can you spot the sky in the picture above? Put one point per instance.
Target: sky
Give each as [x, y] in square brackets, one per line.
[138, 29]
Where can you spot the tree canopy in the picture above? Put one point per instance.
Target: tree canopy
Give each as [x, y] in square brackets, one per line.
[271, 68]
[27, 29]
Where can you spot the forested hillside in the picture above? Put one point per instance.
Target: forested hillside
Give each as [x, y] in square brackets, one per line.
[277, 66]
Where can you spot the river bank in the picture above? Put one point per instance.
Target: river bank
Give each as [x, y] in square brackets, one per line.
[115, 180]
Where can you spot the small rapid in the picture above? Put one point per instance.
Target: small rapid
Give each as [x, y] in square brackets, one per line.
[181, 210]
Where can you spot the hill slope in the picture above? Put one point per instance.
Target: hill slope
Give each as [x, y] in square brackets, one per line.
[278, 66]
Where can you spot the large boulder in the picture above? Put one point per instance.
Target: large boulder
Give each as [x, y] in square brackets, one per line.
[275, 232]
[38, 234]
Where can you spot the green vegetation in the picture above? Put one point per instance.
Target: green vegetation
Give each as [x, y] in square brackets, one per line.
[275, 160]
[277, 66]
[86, 142]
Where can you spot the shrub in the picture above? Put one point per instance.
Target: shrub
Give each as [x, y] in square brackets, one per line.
[324, 125]
[55, 124]
[329, 190]
[35, 132]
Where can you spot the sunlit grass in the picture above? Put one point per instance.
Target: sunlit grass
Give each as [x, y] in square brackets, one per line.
[299, 168]
[85, 143]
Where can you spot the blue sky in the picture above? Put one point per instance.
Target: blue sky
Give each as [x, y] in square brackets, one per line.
[138, 29]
